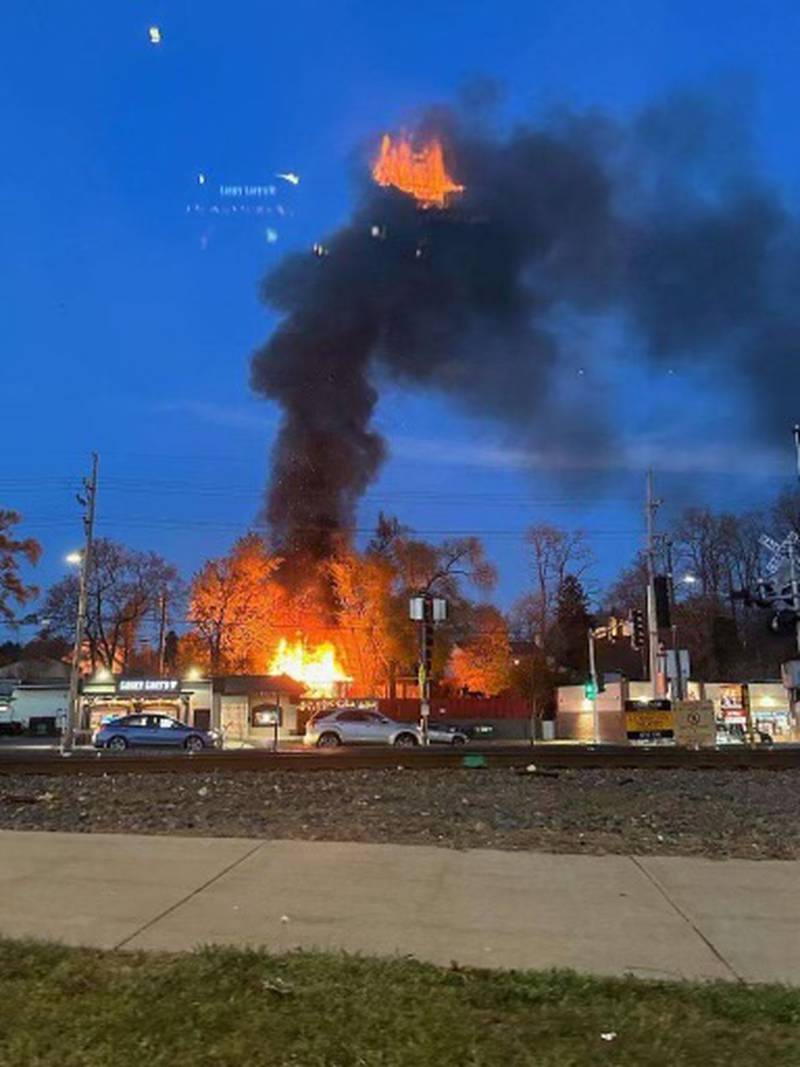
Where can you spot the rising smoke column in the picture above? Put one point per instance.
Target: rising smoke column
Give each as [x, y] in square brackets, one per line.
[650, 222]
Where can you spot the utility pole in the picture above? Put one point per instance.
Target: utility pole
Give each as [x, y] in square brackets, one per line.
[88, 502]
[678, 694]
[651, 507]
[793, 552]
[162, 627]
[794, 578]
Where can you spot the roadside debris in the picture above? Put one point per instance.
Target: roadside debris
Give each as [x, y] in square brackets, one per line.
[277, 985]
[538, 772]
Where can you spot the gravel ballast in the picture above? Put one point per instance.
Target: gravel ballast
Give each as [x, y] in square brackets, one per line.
[754, 814]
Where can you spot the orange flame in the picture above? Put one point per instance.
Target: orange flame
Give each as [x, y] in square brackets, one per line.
[318, 668]
[420, 174]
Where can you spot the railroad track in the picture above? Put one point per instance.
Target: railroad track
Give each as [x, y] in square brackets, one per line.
[549, 756]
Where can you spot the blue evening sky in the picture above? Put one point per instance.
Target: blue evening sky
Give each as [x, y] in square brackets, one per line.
[126, 321]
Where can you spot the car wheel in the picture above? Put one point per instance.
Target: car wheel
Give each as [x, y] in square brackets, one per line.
[329, 740]
[405, 741]
[194, 744]
[117, 743]
[458, 740]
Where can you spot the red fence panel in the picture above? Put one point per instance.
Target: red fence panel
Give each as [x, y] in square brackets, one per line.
[407, 709]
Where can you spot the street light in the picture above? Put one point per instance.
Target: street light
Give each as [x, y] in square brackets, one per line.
[74, 558]
[689, 579]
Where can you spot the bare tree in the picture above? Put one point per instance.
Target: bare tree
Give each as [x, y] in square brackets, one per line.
[124, 590]
[441, 569]
[629, 590]
[555, 553]
[786, 513]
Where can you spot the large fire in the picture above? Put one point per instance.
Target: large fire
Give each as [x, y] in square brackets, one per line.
[317, 668]
[421, 174]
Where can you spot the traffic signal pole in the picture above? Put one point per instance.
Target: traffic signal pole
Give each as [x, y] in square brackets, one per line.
[593, 674]
[426, 609]
[426, 658]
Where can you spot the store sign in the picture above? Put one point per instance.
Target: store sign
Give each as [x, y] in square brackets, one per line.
[695, 725]
[148, 686]
[649, 720]
[313, 704]
[733, 704]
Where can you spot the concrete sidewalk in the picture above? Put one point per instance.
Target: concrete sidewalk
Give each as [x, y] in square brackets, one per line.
[650, 916]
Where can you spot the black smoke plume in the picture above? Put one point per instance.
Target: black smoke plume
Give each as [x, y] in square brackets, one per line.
[659, 222]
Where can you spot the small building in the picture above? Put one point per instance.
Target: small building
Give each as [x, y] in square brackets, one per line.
[247, 708]
[39, 707]
[766, 703]
[244, 707]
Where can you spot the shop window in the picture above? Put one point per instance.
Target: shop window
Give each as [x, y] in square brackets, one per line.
[265, 715]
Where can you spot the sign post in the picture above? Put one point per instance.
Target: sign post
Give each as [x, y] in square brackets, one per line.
[695, 723]
[649, 721]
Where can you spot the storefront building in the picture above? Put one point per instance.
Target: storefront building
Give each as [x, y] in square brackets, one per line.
[187, 700]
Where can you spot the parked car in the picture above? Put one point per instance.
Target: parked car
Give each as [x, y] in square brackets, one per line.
[356, 726]
[478, 731]
[157, 731]
[445, 733]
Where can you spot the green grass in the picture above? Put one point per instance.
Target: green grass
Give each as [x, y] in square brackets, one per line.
[218, 1007]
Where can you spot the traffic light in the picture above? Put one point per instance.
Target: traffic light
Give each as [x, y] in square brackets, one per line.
[661, 590]
[639, 633]
[427, 646]
[592, 688]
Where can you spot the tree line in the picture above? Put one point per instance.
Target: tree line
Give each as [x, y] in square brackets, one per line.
[230, 616]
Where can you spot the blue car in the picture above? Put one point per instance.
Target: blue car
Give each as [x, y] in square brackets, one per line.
[158, 731]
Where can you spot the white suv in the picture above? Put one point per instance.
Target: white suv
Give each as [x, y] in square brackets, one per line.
[355, 726]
